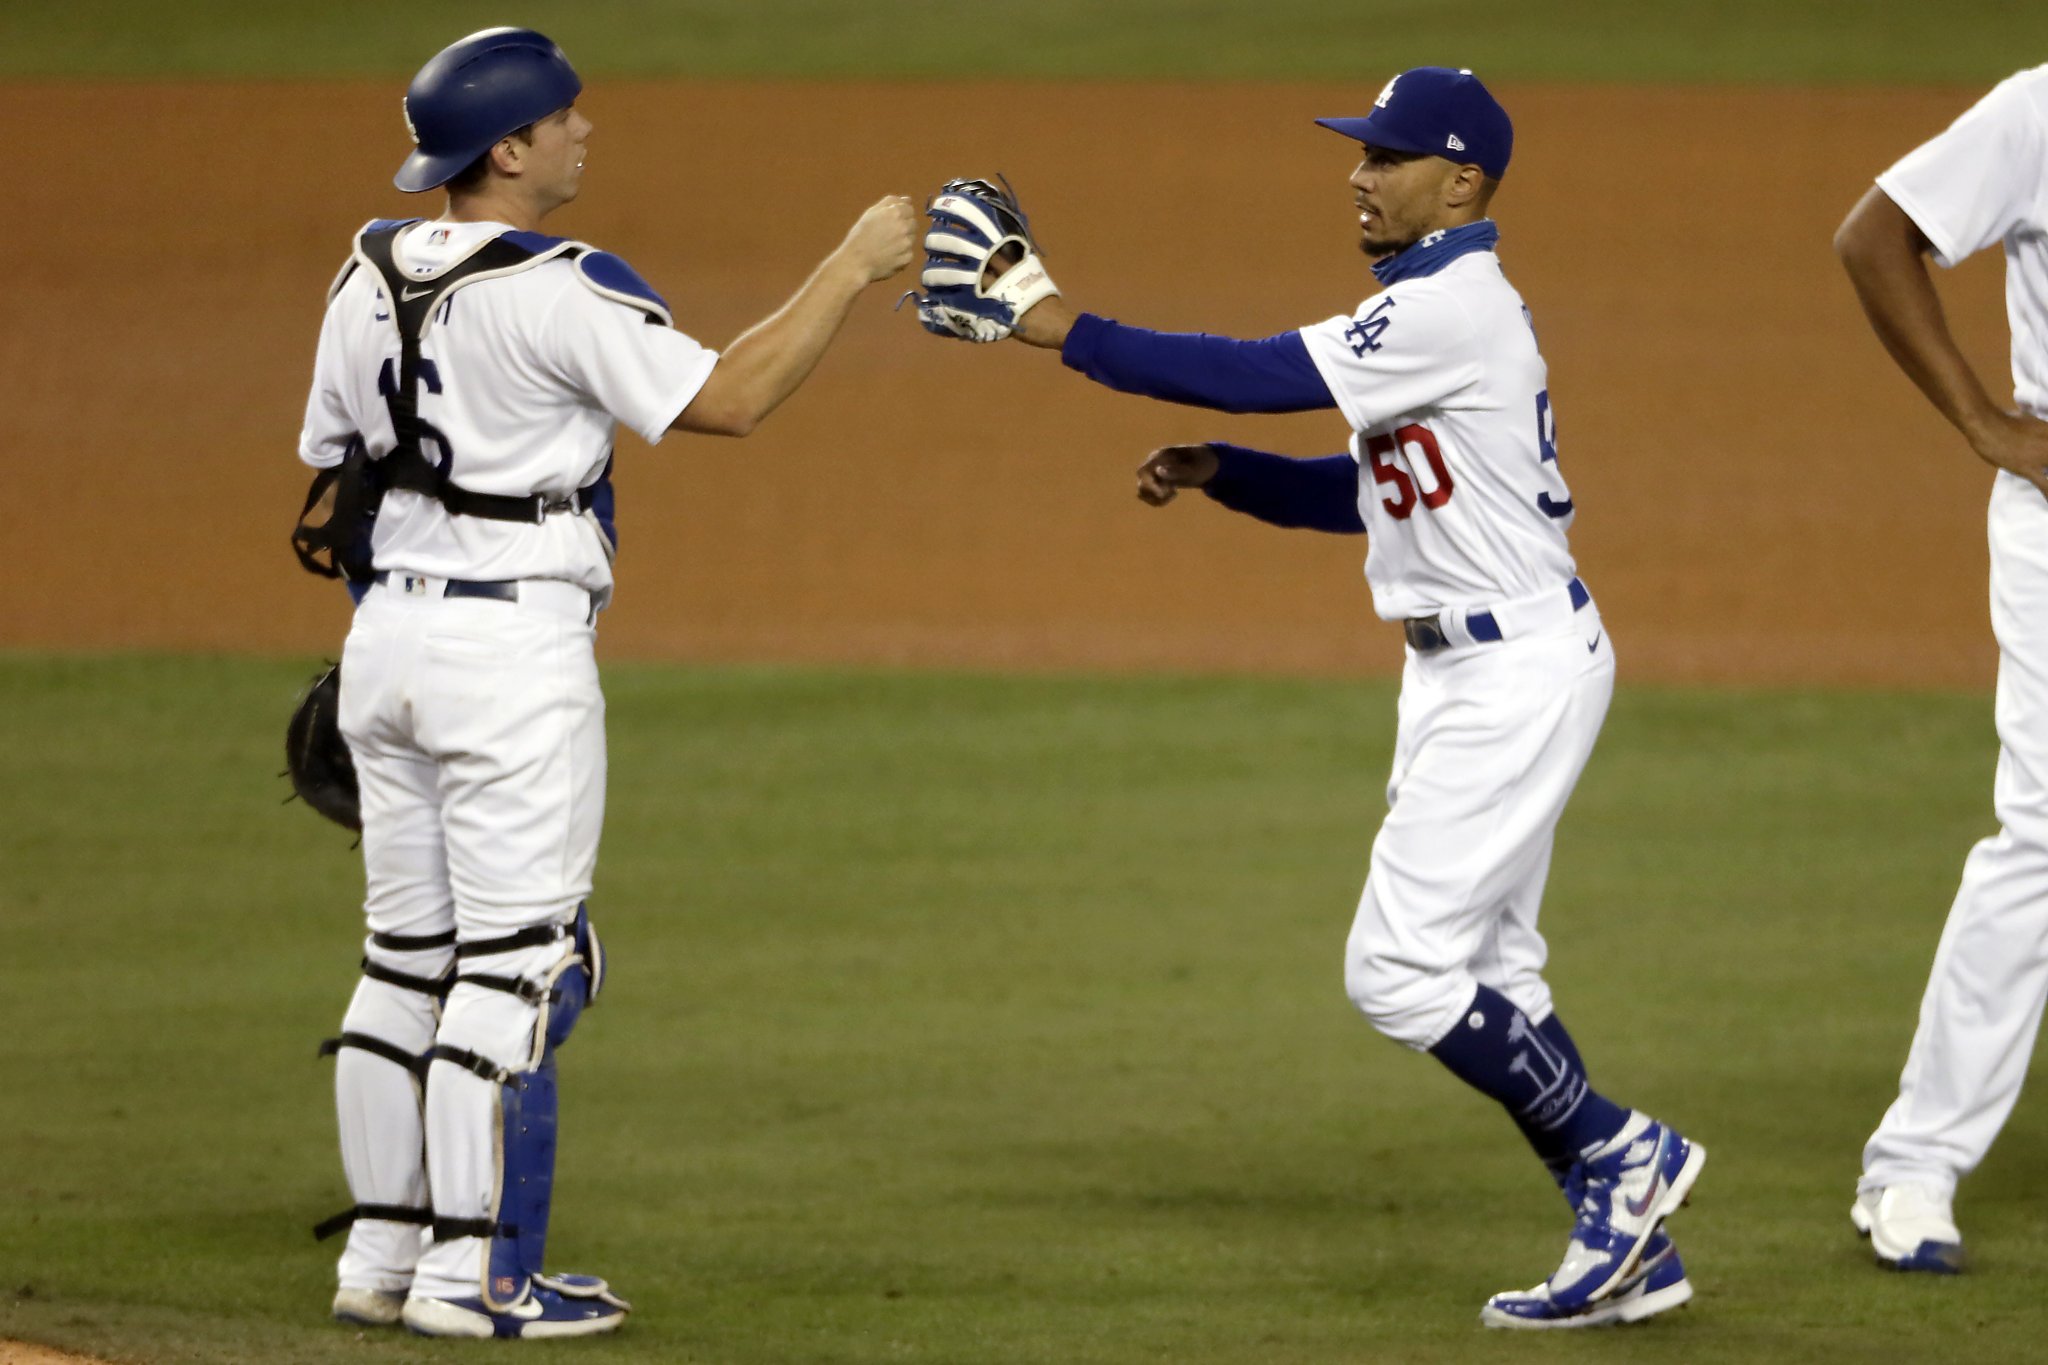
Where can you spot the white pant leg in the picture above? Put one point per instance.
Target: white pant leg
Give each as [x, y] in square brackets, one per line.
[1492, 740]
[1512, 953]
[378, 1104]
[504, 698]
[1982, 1008]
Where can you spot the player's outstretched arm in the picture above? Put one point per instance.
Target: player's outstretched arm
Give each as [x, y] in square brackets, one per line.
[1885, 253]
[1311, 495]
[772, 358]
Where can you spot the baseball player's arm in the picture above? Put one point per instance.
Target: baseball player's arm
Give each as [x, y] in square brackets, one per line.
[1315, 495]
[1885, 253]
[768, 361]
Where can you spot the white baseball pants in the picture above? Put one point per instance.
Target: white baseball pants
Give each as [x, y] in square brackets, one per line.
[1982, 1009]
[477, 728]
[1491, 740]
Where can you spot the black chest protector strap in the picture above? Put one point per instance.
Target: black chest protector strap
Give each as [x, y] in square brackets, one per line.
[407, 466]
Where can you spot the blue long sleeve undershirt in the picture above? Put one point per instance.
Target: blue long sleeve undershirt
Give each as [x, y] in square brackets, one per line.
[1271, 375]
[1312, 495]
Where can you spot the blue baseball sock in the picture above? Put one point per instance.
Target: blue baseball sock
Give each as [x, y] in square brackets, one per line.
[1535, 1073]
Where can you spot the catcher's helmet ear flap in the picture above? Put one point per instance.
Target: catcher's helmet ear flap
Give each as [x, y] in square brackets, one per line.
[476, 91]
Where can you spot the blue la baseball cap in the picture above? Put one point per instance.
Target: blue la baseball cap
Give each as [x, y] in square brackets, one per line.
[1436, 111]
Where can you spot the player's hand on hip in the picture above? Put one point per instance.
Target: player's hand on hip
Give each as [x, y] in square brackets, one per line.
[2017, 443]
[1168, 470]
[885, 239]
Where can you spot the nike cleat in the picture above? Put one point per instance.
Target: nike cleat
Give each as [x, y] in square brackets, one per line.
[1623, 1194]
[1658, 1284]
[369, 1307]
[1910, 1227]
[552, 1306]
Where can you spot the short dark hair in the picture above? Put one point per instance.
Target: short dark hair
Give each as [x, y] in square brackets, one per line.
[472, 176]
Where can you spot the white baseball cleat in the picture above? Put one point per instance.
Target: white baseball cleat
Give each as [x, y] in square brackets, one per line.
[1622, 1193]
[552, 1306]
[1659, 1284]
[1910, 1227]
[369, 1307]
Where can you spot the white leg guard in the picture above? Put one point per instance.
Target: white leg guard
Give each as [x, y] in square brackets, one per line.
[378, 1075]
[490, 1111]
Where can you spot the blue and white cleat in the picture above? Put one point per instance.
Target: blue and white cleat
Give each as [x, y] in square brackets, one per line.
[369, 1307]
[552, 1306]
[1623, 1194]
[1658, 1284]
[1910, 1227]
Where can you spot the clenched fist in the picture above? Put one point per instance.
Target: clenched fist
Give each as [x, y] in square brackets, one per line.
[885, 239]
[1167, 471]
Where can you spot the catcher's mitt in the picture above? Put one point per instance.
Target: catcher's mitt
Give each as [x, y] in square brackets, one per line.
[316, 757]
[982, 270]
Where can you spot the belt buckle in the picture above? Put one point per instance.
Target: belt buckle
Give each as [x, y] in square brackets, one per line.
[1425, 634]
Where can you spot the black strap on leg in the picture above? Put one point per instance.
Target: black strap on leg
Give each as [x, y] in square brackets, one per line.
[381, 1213]
[471, 1062]
[446, 1228]
[531, 937]
[413, 943]
[532, 992]
[434, 986]
[412, 1062]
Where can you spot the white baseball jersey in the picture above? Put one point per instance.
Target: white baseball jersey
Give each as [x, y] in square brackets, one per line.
[1982, 182]
[1446, 394]
[531, 373]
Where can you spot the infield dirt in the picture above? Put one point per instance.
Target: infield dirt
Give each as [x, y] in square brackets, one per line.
[1762, 497]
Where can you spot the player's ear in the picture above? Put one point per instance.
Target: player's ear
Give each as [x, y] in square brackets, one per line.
[508, 155]
[1467, 185]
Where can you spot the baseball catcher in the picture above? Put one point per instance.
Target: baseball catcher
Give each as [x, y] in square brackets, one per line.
[982, 268]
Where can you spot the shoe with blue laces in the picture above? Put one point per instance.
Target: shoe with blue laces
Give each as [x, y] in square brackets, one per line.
[552, 1306]
[1623, 1193]
[1658, 1284]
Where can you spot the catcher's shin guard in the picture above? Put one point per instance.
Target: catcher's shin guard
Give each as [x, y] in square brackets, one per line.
[525, 1104]
[380, 1067]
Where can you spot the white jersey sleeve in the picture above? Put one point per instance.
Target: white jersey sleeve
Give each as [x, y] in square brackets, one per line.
[1398, 354]
[642, 373]
[1977, 183]
[328, 430]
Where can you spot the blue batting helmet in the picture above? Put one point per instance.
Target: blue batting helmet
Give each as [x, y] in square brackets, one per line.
[475, 92]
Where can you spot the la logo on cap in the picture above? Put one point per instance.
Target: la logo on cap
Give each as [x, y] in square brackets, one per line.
[1385, 95]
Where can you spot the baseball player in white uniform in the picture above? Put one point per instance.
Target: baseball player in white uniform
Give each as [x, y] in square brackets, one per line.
[1980, 183]
[474, 371]
[1452, 474]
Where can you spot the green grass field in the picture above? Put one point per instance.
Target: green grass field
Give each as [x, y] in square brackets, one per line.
[1638, 41]
[972, 1019]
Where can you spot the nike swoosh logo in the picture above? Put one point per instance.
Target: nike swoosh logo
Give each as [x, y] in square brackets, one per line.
[1638, 1207]
[1595, 644]
[408, 295]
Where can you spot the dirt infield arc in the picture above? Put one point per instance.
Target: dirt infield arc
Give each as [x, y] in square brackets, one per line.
[1762, 499]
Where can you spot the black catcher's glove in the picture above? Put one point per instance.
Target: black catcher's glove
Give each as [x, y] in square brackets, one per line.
[322, 770]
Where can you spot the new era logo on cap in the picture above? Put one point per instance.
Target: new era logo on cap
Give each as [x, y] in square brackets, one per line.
[1436, 111]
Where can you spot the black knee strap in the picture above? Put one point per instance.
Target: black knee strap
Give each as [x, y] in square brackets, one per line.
[434, 986]
[532, 937]
[412, 1062]
[471, 1062]
[446, 1228]
[532, 992]
[413, 943]
[381, 1213]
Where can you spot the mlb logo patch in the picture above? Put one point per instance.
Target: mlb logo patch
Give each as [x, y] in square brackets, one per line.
[438, 237]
